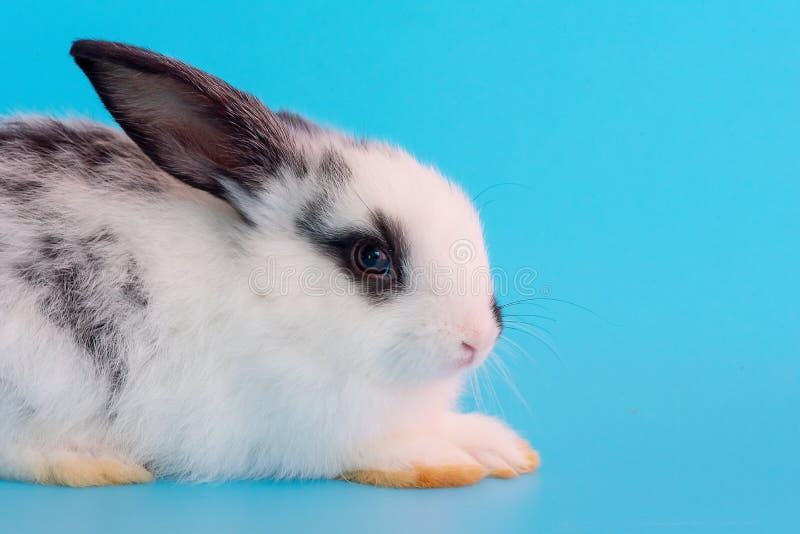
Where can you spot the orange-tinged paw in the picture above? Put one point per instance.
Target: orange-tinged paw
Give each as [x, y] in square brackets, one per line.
[529, 463]
[420, 476]
[531, 458]
[84, 470]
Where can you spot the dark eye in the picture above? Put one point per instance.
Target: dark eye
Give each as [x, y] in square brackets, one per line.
[371, 258]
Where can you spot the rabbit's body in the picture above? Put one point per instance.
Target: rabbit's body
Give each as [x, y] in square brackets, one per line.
[141, 322]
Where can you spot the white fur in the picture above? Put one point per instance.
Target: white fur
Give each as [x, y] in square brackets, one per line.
[227, 382]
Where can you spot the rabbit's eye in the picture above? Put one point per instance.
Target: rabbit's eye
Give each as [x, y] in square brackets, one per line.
[371, 258]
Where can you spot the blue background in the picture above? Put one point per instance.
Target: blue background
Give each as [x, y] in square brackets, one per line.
[654, 152]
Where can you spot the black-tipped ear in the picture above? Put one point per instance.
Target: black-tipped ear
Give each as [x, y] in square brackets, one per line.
[191, 124]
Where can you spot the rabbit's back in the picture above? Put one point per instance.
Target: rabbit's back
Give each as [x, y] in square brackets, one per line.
[111, 275]
[37, 154]
[73, 301]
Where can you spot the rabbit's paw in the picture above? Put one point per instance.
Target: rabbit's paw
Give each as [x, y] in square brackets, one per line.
[495, 446]
[420, 476]
[460, 451]
[418, 463]
[81, 469]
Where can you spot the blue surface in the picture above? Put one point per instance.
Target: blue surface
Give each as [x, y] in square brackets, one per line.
[655, 151]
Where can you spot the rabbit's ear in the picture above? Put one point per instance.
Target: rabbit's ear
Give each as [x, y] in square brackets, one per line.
[193, 125]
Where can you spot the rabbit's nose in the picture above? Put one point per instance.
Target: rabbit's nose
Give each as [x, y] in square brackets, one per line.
[476, 346]
[470, 353]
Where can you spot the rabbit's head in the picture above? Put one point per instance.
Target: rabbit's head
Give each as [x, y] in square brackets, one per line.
[358, 256]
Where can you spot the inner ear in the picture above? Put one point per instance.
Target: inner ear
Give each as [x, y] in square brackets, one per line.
[172, 122]
[193, 125]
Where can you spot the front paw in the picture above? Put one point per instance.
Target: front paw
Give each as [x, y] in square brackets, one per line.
[422, 461]
[465, 449]
[499, 449]
[420, 476]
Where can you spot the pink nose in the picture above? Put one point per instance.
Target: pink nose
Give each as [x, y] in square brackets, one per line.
[476, 343]
[470, 353]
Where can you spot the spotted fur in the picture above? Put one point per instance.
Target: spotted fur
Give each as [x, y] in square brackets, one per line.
[136, 326]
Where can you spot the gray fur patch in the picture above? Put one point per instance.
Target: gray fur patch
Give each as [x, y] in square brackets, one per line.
[91, 151]
[133, 287]
[333, 168]
[298, 122]
[21, 191]
[90, 294]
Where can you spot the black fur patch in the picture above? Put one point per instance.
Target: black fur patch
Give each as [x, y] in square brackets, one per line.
[21, 191]
[90, 150]
[333, 168]
[133, 287]
[298, 122]
[498, 313]
[89, 294]
[338, 244]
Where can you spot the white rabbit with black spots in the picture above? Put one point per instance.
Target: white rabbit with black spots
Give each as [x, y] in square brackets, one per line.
[226, 292]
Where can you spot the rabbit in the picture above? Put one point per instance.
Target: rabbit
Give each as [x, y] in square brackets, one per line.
[142, 334]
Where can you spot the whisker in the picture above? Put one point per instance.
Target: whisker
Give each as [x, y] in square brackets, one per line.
[476, 391]
[358, 195]
[501, 184]
[492, 391]
[518, 302]
[543, 329]
[550, 346]
[501, 368]
[486, 205]
[522, 351]
[545, 317]
[562, 301]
